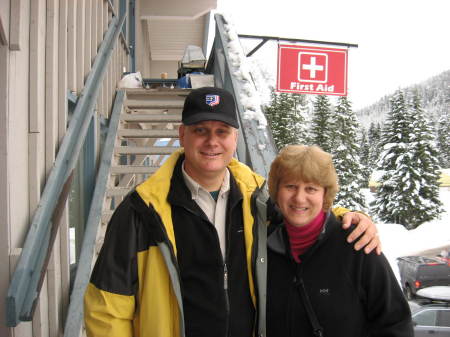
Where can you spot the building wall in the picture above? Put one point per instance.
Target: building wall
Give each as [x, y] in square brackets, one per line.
[159, 67]
[47, 47]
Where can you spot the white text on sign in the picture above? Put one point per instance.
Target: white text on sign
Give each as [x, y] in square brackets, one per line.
[312, 87]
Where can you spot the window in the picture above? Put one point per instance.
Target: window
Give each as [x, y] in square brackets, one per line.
[444, 318]
[426, 317]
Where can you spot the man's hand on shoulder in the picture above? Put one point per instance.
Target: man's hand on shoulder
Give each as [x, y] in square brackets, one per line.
[365, 230]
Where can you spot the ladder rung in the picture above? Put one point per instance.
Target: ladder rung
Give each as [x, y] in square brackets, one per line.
[150, 150]
[151, 118]
[147, 133]
[132, 169]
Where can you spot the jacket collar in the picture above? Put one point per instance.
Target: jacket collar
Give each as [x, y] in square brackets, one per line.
[179, 193]
[278, 241]
[156, 188]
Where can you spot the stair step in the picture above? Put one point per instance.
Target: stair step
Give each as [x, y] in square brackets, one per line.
[133, 169]
[145, 149]
[176, 111]
[148, 104]
[118, 191]
[161, 91]
[106, 216]
[147, 133]
[148, 118]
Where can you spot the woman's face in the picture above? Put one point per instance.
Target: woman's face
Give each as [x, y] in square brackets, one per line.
[300, 202]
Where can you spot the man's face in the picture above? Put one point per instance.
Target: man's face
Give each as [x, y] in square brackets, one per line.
[209, 147]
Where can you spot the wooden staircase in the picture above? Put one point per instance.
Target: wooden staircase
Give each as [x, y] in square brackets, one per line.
[147, 133]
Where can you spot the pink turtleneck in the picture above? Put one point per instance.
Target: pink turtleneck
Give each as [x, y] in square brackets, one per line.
[303, 237]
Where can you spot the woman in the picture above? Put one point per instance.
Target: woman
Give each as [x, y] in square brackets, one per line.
[318, 285]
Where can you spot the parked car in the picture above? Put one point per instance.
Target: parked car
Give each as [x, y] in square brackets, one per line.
[431, 319]
[417, 272]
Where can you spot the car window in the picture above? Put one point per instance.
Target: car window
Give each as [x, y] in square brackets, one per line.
[426, 317]
[444, 318]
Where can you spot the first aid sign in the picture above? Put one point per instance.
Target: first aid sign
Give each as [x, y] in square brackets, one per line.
[312, 70]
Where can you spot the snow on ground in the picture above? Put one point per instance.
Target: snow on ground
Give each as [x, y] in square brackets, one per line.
[398, 241]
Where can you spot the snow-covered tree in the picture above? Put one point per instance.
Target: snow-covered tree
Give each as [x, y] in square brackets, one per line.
[374, 139]
[346, 157]
[403, 196]
[443, 139]
[426, 203]
[287, 117]
[389, 203]
[364, 154]
[322, 128]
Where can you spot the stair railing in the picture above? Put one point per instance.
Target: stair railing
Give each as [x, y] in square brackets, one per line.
[75, 313]
[256, 147]
[25, 286]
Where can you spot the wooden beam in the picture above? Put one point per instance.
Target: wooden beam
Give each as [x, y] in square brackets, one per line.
[3, 36]
[15, 25]
[80, 42]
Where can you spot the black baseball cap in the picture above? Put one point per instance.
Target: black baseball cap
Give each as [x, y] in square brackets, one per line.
[210, 104]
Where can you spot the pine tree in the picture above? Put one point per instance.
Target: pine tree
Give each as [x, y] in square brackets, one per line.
[403, 196]
[287, 117]
[374, 139]
[425, 197]
[364, 154]
[322, 127]
[346, 158]
[390, 204]
[443, 136]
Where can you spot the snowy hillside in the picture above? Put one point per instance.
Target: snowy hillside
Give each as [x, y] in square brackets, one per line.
[435, 94]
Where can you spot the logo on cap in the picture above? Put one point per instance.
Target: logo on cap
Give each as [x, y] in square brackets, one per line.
[212, 100]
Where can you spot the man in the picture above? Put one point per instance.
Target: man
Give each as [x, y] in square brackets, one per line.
[180, 252]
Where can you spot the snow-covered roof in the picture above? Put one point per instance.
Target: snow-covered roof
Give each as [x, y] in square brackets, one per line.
[438, 293]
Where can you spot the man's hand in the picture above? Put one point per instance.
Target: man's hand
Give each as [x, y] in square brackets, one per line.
[365, 228]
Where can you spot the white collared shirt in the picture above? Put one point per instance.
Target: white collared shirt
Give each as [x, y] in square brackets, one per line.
[215, 211]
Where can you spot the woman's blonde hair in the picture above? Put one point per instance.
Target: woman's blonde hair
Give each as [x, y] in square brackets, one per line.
[306, 163]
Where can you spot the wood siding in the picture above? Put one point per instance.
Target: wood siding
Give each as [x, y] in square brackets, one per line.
[47, 48]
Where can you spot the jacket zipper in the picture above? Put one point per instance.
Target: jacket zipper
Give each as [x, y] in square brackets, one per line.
[225, 270]
[227, 299]
[225, 273]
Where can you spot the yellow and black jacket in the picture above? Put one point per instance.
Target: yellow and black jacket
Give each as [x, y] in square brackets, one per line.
[140, 286]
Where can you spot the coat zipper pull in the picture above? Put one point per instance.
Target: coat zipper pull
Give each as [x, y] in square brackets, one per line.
[225, 276]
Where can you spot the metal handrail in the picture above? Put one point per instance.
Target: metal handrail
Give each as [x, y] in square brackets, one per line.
[25, 286]
[75, 312]
[256, 147]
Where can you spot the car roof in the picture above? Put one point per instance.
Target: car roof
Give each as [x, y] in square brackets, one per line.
[420, 305]
[421, 259]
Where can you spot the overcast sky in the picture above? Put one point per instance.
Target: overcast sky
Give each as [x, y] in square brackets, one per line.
[401, 42]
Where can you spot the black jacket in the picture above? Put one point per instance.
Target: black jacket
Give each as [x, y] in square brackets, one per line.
[352, 294]
[208, 309]
[161, 271]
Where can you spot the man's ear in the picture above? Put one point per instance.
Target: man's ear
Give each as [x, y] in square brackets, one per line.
[181, 131]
